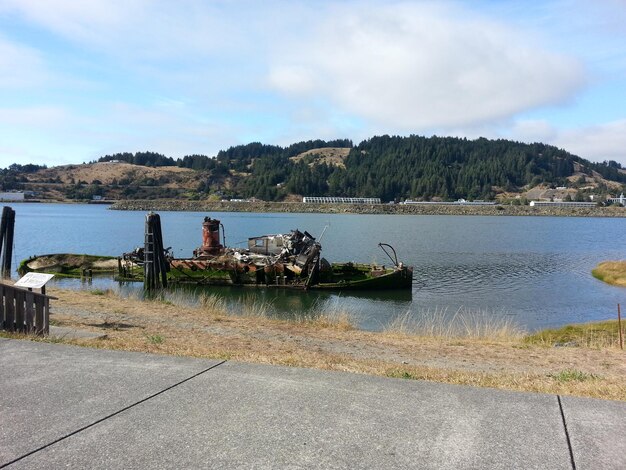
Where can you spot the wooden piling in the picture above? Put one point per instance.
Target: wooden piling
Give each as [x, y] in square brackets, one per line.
[155, 265]
[7, 227]
[3, 226]
[619, 327]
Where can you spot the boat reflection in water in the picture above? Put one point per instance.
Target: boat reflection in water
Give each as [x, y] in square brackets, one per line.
[297, 304]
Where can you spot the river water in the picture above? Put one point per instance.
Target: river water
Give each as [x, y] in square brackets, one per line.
[535, 270]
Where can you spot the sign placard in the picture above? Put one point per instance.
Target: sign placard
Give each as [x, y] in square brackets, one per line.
[34, 280]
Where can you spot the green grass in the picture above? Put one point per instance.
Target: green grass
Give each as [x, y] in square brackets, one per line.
[596, 334]
[611, 272]
[572, 375]
[155, 339]
[100, 291]
[401, 374]
[597, 274]
[23, 268]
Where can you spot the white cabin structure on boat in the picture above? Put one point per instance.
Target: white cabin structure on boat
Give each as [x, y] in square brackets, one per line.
[267, 244]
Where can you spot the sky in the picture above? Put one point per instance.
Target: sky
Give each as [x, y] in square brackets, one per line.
[83, 79]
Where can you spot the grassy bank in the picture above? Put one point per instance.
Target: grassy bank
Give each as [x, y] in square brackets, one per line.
[68, 264]
[611, 272]
[470, 349]
[597, 335]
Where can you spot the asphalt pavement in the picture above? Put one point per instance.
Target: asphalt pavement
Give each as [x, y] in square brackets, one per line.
[71, 407]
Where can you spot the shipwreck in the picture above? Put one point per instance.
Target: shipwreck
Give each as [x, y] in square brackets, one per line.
[291, 260]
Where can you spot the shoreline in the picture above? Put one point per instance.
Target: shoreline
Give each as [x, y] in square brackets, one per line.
[385, 209]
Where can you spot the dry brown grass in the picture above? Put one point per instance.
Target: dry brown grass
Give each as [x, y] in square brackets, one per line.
[611, 272]
[333, 156]
[464, 323]
[329, 341]
[107, 172]
[339, 320]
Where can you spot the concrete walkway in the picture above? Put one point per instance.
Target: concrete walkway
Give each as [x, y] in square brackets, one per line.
[63, 406]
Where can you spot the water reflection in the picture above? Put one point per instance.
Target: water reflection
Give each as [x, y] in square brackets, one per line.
[277, 303]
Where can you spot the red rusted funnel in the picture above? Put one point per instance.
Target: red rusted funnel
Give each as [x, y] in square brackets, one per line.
[211, 236]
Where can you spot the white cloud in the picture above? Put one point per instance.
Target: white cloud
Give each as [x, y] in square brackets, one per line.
[55, 135]
[20, 66]
[293, 79]
[604, 141]
[601, 142]
[420, 67]
[79, 19]
[171, 130]
[535, 130]
[410, 66]
[197, 76]
[138, 29]
[39, 134]
[34, 117]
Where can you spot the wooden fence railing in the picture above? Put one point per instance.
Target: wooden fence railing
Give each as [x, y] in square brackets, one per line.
[24, 311]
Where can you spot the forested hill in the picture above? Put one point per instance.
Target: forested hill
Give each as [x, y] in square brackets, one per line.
[450, 168]
[388, 167]
[423, 168]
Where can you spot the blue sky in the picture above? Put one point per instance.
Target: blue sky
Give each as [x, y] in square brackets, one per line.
[81, 79]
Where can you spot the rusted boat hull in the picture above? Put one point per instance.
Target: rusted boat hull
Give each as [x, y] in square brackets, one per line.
[399, 278]
[340, 276]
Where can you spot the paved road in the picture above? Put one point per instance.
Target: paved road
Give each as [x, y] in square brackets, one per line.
[64, 406]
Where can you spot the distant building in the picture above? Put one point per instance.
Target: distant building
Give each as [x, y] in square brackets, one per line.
[341, 200]
[562, 204]
[618, 200]
[460, 202]
[12, 196]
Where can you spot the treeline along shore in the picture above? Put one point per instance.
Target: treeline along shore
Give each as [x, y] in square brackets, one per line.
[409, 209]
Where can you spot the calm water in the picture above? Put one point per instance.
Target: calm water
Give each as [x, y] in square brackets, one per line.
[535, 269]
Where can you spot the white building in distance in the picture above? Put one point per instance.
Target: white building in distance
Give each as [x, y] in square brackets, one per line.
[459, 202]
[618, 200]
[562, 204]
[340, 200]
[12, 196]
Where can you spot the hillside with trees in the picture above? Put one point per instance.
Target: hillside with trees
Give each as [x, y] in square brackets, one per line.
[421, 168]
[388, 167]
[451, 168]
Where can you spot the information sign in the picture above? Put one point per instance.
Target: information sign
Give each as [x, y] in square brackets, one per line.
[34, 280]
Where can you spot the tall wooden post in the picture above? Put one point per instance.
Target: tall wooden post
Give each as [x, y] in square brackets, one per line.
[148, 253]
[155, 265]
[3, 226]
[7, 227]
[619, 327]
